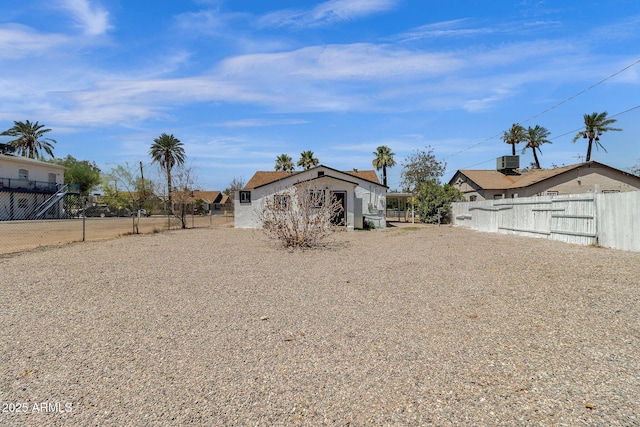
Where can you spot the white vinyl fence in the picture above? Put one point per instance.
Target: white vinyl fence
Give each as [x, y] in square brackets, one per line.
[611, 220]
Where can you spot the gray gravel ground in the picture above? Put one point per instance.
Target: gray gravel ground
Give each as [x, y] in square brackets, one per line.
[427, 326]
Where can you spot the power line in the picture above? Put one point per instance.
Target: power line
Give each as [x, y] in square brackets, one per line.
[575, 131]
[582, 127]
[553, 107]
[583, 91]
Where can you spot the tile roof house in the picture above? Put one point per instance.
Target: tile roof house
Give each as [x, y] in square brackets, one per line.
[360, 192]
[573, 179]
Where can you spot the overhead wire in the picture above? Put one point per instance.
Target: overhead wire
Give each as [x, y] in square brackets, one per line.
[553, 107]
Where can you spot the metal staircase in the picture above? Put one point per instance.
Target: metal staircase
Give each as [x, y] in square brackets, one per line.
[47, 204]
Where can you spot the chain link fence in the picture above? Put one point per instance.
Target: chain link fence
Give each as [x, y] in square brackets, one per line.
[35, 218]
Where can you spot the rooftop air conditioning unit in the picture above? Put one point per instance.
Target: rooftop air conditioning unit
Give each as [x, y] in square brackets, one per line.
[507, 162]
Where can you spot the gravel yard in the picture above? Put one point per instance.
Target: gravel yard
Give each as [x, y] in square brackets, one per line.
[404, 326]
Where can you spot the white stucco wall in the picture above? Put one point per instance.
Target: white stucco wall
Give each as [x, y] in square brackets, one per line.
[38, 171]
[19, 198]
[370, 197]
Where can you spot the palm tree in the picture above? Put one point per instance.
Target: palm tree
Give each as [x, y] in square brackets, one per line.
[595, 125]
[513, 136]
[383, 160]
[30, 140]
[284, 163]
[535, 137]
[167, 151]
[307, 160]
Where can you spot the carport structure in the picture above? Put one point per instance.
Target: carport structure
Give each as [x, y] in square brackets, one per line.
[400, 207]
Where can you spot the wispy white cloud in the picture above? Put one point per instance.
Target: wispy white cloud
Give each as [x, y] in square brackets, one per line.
[326, 13]
[262, 123]
[342, 62]
[465, 28]
[202, 22]
[624, 30]
[93, 19]
[19, 41]
[453, 28]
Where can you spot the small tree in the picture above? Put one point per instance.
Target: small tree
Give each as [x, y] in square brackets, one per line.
[421, 167]
[300, 217]
[185, 182]
[235, 185]
[421, 175]
[82, 172]
[434, 202]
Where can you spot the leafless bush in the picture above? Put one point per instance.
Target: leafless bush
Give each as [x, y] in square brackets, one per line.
[300, 217]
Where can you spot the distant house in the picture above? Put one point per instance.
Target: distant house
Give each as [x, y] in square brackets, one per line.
[30, 189]
[508, 181]
[209, 198]
[360, 192]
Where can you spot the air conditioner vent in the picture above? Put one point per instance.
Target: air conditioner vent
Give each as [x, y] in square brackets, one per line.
[507, 162]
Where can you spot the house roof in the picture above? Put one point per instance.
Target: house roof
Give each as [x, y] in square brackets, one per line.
[495, 180]
[207, 196]
[261, 178]
[27, 160]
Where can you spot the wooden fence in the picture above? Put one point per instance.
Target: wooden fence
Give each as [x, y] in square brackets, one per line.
[610, 220]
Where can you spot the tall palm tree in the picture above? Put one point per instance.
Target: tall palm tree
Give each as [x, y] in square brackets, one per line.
[307, 160]
[383, 160]
[284, 163]
[167, 151]
[535, 137]
[594, 126]
[513, 136]
[30, 139]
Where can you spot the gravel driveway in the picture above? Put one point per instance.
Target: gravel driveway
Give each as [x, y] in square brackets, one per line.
[404, 326]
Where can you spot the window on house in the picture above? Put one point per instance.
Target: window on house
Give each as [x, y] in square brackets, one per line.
[245, 197]
[320, 173]
[472, 198]
[316, 198]
[23, 174]
[281, 201]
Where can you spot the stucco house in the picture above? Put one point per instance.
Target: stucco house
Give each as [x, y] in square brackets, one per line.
[508, 181]
[360, 192]
[29, 189]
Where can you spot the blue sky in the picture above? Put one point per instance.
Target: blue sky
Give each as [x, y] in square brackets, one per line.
[241, 82]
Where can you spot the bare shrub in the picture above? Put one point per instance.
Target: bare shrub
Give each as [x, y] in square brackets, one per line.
[301, 216]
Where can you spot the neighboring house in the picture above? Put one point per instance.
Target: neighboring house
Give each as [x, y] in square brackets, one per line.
[510, 182]
[360, 192]
[225, 203]
[29, 188]
[210, 198]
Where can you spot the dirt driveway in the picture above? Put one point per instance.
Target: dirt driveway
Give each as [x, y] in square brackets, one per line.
[16, 236]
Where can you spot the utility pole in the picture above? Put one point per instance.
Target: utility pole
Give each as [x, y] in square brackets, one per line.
[144, 196]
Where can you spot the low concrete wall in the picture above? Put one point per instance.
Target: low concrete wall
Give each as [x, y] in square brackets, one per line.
[610, 220]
